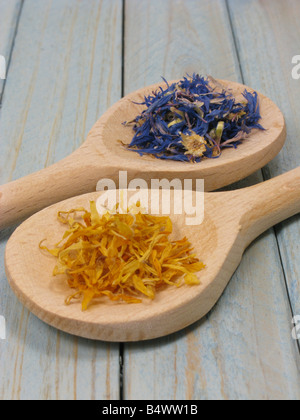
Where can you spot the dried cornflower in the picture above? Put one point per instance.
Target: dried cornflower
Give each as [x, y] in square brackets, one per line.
[193, 119]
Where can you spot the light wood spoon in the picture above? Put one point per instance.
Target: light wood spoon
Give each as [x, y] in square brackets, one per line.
[101, 156]
[232, 221]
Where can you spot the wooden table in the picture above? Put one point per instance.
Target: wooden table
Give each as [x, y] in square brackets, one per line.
[67, 62]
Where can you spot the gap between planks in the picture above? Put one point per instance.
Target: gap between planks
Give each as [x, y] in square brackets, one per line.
[265, 171]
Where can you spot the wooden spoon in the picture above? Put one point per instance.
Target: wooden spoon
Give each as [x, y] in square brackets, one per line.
[232, 221]
[101, 156]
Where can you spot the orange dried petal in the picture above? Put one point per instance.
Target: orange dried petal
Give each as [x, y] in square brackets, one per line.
[120, 256]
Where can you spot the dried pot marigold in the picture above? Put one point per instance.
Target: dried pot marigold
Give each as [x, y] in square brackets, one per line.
[121, 256]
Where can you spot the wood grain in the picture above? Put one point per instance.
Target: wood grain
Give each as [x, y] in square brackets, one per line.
[80, 172]
[219, 241]
[233, 353]
[276, 29]
[69, 55]
[243, 349]
[9, 17]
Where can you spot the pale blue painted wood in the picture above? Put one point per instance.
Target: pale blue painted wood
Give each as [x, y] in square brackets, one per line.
[243, 349]
[65, 71]
[9, 15]
[268, 42]
[167, 38]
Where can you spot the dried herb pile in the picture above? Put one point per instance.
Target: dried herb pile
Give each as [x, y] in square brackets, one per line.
[193, 119]
[121, 256]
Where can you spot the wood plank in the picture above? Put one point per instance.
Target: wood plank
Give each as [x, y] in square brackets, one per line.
[157, 43]
[243, 348]
[276, 30]
[71, 73]
[69, 55]
[9, 15]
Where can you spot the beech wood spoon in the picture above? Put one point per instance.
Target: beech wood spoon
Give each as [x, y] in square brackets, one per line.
[102, 156]
[232, 221]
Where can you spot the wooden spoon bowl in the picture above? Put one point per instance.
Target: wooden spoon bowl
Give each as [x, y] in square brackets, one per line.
[232, 221]
[102, 156]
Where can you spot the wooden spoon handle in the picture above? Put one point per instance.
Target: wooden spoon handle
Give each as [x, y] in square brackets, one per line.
[269, 203]
[21, 198]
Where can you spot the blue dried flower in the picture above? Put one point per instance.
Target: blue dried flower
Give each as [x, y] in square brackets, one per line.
[193, 119]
